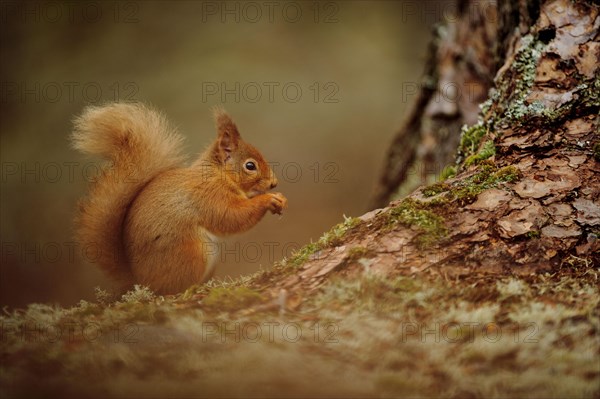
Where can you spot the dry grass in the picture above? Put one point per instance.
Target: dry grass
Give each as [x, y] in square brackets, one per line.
[370, 337]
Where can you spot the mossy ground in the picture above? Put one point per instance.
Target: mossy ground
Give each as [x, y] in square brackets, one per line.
[370, 337]
[487, 150]
[487, 175]
[470, 138]
[413, 213]
[330, 238]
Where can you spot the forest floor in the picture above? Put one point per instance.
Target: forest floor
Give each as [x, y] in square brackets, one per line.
[365, 336]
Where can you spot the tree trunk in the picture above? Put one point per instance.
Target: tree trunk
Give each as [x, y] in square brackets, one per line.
[525, 197]
[459, 72]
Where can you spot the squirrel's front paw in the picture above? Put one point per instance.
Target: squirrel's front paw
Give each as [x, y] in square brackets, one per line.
[277, 203]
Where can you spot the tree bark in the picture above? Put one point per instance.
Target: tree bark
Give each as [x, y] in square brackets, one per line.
[525, 197]
[459, 72]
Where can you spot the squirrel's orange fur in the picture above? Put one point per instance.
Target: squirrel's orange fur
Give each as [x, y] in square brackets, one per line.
[154, 222]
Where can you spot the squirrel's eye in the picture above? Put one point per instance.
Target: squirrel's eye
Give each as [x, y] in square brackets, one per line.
[250, 166]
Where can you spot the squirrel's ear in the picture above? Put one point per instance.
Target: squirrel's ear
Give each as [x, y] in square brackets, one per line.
[228, 136]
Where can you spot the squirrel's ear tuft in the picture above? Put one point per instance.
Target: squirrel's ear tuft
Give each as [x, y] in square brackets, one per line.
[228, 135]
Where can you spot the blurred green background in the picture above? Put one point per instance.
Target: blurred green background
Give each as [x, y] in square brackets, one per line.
[317, 87]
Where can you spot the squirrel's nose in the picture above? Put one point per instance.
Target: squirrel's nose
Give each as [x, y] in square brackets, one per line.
[273, 183]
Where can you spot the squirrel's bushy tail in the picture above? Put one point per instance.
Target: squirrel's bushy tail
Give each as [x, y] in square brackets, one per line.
[140, 144]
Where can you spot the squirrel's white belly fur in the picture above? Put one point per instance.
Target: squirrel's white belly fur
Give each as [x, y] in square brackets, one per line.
[210, 249]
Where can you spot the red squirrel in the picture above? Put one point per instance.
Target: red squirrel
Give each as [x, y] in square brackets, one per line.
[154, 221]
